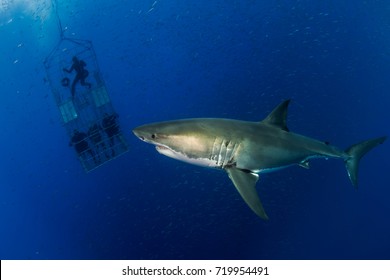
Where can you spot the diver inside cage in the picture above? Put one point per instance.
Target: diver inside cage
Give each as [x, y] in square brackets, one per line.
[81, 75]
[79, 141]
[95, 136]
[112, 130]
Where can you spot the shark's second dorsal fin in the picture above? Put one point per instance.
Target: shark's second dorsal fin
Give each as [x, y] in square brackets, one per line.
[278, 117]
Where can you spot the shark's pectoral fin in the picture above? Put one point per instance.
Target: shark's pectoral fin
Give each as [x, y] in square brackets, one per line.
[245, 184]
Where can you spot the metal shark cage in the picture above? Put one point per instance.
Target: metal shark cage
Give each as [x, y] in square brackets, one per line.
[88, 117]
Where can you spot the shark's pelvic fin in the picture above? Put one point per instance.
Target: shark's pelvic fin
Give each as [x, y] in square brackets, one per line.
[355, 153]
[245, 184]
[278, 117]
[305, 164]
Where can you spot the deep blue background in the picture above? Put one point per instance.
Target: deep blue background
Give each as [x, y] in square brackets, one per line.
[170, 59]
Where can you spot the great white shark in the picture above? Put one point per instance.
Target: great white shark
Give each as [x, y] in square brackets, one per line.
[244, 149]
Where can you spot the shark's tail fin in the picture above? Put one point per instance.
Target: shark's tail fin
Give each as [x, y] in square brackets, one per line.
[355, 153]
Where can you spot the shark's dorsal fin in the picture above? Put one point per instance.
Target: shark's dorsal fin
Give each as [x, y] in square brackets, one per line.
[245, 183]
[278, 117]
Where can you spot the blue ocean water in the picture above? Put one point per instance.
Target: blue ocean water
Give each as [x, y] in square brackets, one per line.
[171, 59]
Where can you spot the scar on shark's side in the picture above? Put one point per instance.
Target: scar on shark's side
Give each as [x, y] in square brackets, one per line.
[245, 149]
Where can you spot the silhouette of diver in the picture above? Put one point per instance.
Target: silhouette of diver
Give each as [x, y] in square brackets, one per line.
[111, 128]
[96, 139]
[81, 146]
[81, 74]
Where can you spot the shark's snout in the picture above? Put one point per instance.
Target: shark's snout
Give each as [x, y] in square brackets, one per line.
[138, 133]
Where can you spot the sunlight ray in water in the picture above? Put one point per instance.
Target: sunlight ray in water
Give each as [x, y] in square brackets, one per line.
[38, 9]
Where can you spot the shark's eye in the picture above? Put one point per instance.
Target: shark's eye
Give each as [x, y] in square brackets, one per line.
[153, 136]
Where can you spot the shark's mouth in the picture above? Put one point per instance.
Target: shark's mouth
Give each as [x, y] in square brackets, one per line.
[161, 148]
[201, 161]
[164, 150]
